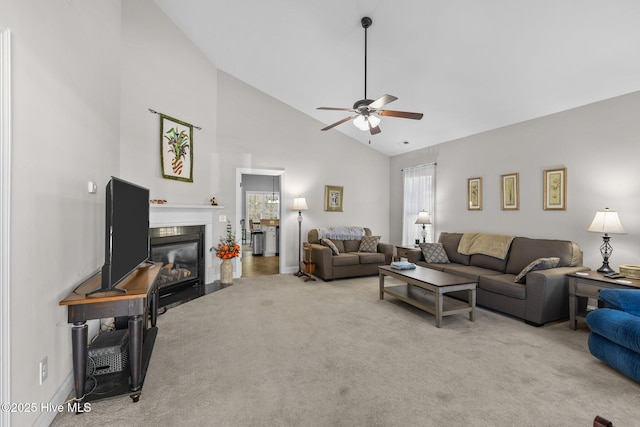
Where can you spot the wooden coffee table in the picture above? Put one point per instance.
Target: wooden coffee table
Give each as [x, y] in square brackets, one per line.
[437, 284]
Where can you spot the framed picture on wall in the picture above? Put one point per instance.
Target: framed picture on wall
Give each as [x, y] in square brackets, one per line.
[333, 198]
[555, 189]
[176, 149]
[474, 194]
[510, 192]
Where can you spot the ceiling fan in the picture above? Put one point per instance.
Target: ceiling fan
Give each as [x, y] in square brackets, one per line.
[367, 110]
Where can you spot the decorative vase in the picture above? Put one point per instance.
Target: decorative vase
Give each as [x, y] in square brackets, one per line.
[226, 272]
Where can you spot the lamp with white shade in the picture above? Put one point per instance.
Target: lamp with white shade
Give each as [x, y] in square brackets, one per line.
[606, 222]
[299, 204]
[424, 219]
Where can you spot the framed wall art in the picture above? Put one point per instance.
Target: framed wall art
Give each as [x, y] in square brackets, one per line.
[510, 192]
[176, 149]
[474, 194]
[333, 198]
[555, 189]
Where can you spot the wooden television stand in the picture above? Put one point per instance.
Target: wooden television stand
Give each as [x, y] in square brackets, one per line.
[139, 303]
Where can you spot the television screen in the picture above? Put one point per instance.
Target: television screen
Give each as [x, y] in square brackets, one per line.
[126, 231]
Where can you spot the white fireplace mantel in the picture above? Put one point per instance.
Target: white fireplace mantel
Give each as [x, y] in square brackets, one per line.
[174, 215]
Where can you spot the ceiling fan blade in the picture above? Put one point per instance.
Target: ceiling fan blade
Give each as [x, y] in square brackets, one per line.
[374, 131]
[383, 100]
[334, 109]
[346, 119]
[401, 114]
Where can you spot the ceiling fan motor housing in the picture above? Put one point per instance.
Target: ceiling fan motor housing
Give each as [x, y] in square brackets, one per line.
[362, 104]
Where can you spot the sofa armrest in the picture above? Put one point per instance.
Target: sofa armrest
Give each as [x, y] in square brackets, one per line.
[387, 250]
[321, 257]
[627, 300]
[548, 294]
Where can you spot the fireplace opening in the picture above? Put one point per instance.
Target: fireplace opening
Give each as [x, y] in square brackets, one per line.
[181, 250]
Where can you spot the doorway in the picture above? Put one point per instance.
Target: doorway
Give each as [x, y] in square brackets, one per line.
[259, 211]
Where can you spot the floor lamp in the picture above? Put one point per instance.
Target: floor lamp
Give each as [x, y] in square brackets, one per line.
[299, 204]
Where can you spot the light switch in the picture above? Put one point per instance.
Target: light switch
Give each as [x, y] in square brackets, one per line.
[92, 187]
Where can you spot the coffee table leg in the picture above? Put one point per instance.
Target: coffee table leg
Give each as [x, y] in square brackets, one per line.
[381, 278]
[472, 303]
[439, 302]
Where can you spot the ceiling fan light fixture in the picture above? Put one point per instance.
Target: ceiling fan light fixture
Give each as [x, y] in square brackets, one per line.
[362, 122]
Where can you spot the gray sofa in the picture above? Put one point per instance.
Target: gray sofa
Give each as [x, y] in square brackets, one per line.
[542, 298]
[350, 261]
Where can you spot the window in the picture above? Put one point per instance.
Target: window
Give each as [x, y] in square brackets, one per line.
[263, 205]
[419, 194]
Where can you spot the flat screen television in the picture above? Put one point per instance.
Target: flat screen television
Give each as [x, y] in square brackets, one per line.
[126, 244]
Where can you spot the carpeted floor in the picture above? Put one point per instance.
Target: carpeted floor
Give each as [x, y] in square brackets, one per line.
[276, 351]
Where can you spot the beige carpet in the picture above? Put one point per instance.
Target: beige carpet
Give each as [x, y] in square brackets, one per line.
[276, 351]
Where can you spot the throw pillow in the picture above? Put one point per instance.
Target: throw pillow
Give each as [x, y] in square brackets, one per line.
[434, 253]
[538, 264]
[369, 244]
[328, 243]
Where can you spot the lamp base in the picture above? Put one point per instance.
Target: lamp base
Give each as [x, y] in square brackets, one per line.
[301, 273]
[605, 268]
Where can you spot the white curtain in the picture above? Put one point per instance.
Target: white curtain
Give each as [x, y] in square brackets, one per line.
[419, 194]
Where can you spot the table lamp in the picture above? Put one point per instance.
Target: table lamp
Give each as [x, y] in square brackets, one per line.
[423, 218]
[606, 222]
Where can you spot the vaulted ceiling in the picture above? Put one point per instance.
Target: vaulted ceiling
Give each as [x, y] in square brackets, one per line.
[468, 65]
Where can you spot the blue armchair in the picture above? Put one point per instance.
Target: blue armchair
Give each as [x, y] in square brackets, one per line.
[615, 331]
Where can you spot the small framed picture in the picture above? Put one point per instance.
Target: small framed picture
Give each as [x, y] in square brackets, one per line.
[333, 198]
[555, 189]
[474, 194]
[510, 194]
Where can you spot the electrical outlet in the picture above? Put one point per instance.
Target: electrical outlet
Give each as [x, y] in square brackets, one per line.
[222, 218]
[44, 369]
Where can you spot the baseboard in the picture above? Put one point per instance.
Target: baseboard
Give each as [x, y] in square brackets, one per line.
[59, 398]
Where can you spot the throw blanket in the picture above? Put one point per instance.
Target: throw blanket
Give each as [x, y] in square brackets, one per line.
[495, 245]
[341, 233]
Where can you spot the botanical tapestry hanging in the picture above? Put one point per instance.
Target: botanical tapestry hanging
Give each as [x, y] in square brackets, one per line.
[176, 149]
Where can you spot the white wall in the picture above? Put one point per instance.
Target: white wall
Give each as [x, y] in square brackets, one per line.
[279, 137]
[599, 144]
[85, 75]
[241, 128]
[164, 71]
[66, 90]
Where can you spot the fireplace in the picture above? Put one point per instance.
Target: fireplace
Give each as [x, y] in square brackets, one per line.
[181, 250]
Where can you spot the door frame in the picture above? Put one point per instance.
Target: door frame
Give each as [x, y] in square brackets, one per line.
[5, 187]
[269, 172]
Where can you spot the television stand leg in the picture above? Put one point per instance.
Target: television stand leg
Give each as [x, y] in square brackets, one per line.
[79, 351]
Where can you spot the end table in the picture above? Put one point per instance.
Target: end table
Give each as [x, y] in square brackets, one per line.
[587, 284]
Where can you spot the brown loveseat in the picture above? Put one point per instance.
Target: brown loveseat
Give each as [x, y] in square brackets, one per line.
[541, 297]
[351, 260]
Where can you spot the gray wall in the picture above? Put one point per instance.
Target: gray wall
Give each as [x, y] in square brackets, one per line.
[597, 143]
